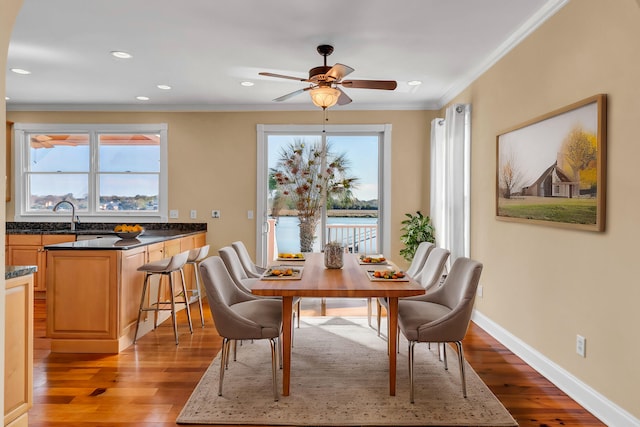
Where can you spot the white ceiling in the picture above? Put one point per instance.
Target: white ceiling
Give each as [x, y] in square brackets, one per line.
[205, 48]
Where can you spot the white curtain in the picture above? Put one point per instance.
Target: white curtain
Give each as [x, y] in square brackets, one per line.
[450, 180]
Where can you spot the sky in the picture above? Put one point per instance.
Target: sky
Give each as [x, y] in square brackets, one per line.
[535, 147]
[362, 151]
[116, 158]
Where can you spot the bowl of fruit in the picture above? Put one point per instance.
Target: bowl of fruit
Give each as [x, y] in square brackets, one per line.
[126, 231]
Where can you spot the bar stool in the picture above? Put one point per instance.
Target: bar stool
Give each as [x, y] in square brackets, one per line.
[195, 256]
[165, 267]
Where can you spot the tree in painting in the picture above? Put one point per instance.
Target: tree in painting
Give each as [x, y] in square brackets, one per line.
[510, 177]
[580, 151]
[310, 174]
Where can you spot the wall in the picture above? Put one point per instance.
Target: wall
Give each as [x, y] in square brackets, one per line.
[8, 12]
[212, 161]
[545, 285]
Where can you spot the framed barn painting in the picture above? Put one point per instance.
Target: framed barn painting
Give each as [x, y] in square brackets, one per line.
[551, 170]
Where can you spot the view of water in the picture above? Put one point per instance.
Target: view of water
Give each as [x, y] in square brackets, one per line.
[288, 232]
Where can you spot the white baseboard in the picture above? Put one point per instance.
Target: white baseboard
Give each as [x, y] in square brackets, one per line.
[594, 402]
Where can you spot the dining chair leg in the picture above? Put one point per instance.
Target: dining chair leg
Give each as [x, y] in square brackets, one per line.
[378, 314]
[444, 356]
[369, 311]
[461, 361]
[411, 351]
[223, 361]
[272, 342]
[298, 310]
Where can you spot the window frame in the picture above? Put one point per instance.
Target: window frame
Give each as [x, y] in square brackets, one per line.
[21, 156]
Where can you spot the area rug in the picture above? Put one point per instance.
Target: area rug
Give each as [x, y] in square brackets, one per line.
[339, 377]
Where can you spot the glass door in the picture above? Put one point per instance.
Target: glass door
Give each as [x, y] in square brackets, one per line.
[319, 187]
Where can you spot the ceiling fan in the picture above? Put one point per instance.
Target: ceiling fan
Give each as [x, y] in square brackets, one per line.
[325, 80]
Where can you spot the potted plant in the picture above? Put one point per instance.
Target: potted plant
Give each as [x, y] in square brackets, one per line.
[417, 229]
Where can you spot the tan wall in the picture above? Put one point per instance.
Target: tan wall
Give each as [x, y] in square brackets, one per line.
[545, 285]
[212, 161]
[8, 12]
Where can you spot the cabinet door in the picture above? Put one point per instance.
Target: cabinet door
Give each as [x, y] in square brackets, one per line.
[18, 347]
[130, 292]
[29, 255]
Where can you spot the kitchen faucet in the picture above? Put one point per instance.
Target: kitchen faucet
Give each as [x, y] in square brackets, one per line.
[74, 218]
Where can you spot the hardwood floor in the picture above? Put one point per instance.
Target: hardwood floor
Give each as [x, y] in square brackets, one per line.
[148, 384]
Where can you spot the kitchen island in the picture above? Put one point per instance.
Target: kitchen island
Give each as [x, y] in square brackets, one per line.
[94, 288]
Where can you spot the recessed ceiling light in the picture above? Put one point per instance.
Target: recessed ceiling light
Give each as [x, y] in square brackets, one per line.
[142, 98]
[20, 71]
[164, 87]
[120, 54]
[247, 84]
[414, 82]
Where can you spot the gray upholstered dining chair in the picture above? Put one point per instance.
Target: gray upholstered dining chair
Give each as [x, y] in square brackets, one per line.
[240, 278]
[250, 268]
[442, 315]
[236, 270]
[240, 316]
[419, 258]
[430, 276]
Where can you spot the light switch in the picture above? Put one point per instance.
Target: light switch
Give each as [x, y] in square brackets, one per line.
[173, 213]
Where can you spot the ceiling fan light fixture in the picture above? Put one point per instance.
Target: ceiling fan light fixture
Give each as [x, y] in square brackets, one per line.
[324, 97]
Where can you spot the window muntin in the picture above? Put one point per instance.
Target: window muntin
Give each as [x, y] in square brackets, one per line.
[104, 170]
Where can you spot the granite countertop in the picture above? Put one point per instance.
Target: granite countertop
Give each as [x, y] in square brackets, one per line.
[117, 243]
[13, 271]
[99, 228]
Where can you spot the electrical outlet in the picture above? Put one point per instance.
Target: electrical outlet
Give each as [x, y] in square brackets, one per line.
[249, 214]
[173, 213]
[193, 214]
[480, 291]
[215, 214]
[581, 345]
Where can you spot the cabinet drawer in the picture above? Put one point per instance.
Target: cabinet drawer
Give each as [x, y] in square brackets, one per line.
[52, 239]
[25, 239]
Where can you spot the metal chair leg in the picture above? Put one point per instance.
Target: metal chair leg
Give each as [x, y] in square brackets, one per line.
[272, 342]
[223, 361]
[461, 361]
[411, 352]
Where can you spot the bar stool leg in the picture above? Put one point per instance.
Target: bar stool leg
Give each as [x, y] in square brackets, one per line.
[173, 308]
[158, 299]
[199, 290]
[144, 293]
[186, 300]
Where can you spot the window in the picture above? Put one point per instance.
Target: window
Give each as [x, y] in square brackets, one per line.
[109, 172]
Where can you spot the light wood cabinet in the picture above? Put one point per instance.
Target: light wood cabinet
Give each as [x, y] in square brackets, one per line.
[28, 249]
[18, 348]
[94, 295]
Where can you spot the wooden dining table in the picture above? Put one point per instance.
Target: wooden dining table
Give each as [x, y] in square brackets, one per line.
[351, 281]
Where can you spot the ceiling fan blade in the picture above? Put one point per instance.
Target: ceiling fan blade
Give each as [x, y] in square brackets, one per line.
[343, 99]
[282, 76]
[292, 94]
[338, 72]
[370, 84]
